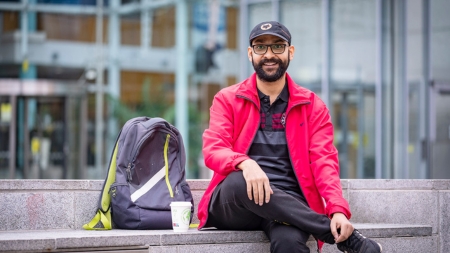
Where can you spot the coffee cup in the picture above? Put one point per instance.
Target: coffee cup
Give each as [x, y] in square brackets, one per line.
[181, 215]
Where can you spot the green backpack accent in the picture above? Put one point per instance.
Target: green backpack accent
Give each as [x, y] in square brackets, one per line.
[102, 219]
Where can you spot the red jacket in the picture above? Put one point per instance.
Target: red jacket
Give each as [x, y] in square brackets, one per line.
[234, 121]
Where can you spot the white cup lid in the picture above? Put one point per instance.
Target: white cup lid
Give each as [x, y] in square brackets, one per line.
[181, 203]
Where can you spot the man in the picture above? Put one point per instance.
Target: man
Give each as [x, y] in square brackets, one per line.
[270, 145]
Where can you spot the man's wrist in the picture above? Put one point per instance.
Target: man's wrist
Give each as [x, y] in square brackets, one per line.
[339, 213]
[241, 165]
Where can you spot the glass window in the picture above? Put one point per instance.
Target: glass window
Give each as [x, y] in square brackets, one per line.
[414, 78]
[130, 29]
[304, 21]
[352, 86]
[440, 37]
[440, 101]
[257, 13]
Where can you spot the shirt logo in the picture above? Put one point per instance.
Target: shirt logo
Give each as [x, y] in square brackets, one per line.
[266, 26]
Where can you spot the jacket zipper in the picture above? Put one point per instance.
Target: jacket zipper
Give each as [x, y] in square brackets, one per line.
[289, 148]
[290, 158]
[129, 176]
[128, 169]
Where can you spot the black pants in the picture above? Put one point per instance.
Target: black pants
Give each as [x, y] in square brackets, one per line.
[231, 209]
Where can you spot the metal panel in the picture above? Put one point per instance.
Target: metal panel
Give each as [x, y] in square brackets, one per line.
[10, 87]
[343, 151]
[361, 131]
[113, 73]
[83, 9]
[99, 121]
[404, 129]
[82, 164]
[276, 10]
[26, 140]
[80, 55]
[24, 33]
[379, 89]
[18, 87]
[326, 54]
[181, 74]
[12, 137]
[427, 80]
[243, 39]
[401, 93]
[49, 8]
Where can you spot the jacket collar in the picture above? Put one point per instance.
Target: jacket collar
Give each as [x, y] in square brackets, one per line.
[297, 94]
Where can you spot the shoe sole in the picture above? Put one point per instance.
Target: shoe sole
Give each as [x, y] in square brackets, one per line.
[381, 248]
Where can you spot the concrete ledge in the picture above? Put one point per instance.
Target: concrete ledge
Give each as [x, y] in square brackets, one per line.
[44, 184]
[47, 215]
[81, 240]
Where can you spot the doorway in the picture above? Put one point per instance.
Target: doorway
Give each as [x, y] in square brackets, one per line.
[440, 131]
[42, 129]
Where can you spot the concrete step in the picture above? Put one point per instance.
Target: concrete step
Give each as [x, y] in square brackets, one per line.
[393, 237]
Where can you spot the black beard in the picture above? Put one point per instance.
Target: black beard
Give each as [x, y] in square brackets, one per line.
[262, 75]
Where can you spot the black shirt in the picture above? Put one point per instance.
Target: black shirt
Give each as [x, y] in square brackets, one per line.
[269, 148]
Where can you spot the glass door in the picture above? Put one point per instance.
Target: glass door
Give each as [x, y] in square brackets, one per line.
[41, 136]
[440, 131]
[353, 117]
[352, 63]
[6, 126]
[42, 130]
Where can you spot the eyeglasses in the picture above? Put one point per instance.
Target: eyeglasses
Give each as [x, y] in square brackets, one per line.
[262, 49]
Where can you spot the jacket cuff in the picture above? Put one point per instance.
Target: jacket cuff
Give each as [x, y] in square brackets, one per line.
[339, 209]
[238, 160]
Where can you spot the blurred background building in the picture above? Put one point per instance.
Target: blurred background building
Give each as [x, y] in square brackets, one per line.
[73, 71]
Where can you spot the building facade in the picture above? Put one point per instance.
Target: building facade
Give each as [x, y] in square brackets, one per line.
[73, 71]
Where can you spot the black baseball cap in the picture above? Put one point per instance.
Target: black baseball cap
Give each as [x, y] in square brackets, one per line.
[270, 27]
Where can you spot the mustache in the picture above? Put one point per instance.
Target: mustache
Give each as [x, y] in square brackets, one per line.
[273, 60]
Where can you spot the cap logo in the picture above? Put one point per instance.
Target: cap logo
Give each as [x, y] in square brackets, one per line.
[266, 26]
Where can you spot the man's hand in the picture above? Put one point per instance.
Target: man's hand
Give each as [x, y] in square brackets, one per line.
[340, 221]
[257, 182]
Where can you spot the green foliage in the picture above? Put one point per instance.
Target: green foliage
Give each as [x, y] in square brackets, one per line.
[157, 108]
[160, 107]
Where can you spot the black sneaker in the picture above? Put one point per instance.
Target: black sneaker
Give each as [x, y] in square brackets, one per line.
[357, 243]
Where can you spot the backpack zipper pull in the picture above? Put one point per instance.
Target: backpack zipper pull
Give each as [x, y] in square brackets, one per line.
[129, 177]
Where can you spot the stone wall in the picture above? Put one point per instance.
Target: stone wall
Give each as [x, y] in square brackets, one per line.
[68, 204]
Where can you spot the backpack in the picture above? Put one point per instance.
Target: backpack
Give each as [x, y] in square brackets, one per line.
[146, 173]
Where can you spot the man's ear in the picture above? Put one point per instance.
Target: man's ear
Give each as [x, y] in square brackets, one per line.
[250, 53]
[291, 52]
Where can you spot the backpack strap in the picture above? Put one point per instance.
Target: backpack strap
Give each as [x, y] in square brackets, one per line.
[102, 218]
[101, 221]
